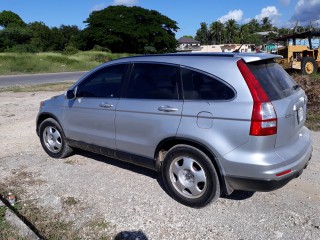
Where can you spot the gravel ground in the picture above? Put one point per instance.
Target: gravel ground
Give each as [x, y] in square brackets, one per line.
[132, 199]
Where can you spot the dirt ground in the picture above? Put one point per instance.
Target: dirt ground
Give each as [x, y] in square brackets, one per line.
[132, 201]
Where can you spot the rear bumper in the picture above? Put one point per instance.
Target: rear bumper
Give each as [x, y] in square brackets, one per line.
[258, 185]
[265, 185]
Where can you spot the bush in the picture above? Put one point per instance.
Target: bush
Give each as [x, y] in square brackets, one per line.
[101, 49]
[311, 86]
[23, 48]
[60, 59]
[100, 57]
[149, 50]
[70, 50]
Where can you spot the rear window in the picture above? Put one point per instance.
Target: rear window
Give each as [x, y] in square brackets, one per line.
[276, 82]
[199, 86]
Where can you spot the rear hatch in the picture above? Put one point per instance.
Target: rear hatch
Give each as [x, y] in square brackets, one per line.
[288, 99]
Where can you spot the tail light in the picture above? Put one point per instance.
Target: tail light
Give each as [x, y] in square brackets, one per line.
[264, 117]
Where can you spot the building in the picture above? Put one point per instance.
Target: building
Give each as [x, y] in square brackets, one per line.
[187, 45]
[192, 45]
[226, 48]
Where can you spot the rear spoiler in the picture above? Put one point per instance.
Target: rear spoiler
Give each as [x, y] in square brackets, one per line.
[253, 57]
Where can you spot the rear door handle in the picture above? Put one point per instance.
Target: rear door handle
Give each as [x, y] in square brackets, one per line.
[167, 109]
[105, 105]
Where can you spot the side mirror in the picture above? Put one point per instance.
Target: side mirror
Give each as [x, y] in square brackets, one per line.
[70, 94]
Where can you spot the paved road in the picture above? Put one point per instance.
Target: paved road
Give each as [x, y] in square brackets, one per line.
[29, 79]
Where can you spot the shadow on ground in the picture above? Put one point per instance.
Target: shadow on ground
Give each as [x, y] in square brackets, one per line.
[236, 195]
[131, 235]
[118, 163]
[239, 195]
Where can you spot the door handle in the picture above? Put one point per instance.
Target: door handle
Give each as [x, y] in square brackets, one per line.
[105, 105]
[167, 109]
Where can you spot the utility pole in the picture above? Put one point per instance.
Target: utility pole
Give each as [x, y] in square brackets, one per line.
[310, 27]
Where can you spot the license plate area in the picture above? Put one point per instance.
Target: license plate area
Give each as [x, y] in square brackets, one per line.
[300, 115]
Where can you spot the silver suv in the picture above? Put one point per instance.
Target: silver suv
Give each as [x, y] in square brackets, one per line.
[210, 123]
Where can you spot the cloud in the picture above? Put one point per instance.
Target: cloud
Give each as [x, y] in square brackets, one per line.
[235, 14]
[99, 7]
[285, 2]
[306, 11]
[128, 3]
[247, 20]
[271, 12]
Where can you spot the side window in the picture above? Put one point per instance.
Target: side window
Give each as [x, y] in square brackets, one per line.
[153, 81]
[198, 86]
[105, 83]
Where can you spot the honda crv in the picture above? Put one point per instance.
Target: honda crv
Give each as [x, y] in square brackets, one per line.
[210, 123]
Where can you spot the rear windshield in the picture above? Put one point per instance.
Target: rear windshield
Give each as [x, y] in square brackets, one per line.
[276, 82]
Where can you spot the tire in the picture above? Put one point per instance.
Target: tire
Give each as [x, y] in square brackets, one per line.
[308, 66]
[190, 177]
[53, 140]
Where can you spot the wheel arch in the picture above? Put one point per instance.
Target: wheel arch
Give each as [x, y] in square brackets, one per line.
[168, 143]
[43, 116]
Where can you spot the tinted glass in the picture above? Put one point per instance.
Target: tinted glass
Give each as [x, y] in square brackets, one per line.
[153, 81]
[276, 82]
[105, 83]
[198, 86]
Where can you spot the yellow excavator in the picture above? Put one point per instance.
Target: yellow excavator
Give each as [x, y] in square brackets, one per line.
[297, 56]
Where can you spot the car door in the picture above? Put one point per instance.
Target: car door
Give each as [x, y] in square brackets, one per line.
[209, 112]
[89, 118]
[150, 110]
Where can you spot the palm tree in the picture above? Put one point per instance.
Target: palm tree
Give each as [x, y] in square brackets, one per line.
[266, 24]
[231, 29]
[253, 26]
[203, 35]
[216, 30]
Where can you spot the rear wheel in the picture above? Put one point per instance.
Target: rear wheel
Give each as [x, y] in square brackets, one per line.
[53, 140]
[308, 66]
[190, 177]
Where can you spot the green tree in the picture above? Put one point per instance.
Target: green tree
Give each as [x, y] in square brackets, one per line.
[130, 29]
[248, 32]
[283, 31]
[217, 32]
[231, 31]
[253, 26]
[13, 36]
[41, 36]
[203, 34]
[266, 24]
[8, 18]
[252, 39]
[187, 36]
[57, 42]
[71, 36]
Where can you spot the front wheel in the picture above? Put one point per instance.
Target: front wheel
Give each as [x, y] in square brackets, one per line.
[53, 140]
[308, 66]
[190, 177]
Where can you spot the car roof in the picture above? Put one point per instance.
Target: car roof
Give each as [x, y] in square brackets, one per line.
[247, 57]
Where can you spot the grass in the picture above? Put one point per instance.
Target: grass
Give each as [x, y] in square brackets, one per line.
[61, 86]
[23, 63]
[6, 230]
[49, 224]
[70, 201]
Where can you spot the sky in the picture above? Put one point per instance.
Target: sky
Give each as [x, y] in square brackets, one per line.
[188, 14]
